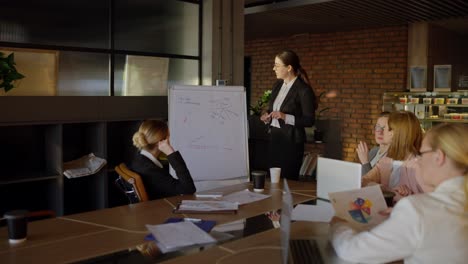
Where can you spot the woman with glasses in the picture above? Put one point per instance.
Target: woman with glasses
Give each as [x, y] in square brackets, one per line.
[424, 228]
[291, 108]
[406, 135]
[368, 158]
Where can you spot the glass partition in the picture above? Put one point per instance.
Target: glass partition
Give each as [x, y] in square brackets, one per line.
[74, 40]
[160, 26]
[82, 73]
[81, 23]
[138, 75]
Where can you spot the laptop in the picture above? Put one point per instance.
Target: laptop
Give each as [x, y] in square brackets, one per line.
[336, 176]
[295, 251]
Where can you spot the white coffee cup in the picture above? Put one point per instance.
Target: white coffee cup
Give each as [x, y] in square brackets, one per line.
[275, 174]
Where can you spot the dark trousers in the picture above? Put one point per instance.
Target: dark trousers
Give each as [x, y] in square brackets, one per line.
[285, 153]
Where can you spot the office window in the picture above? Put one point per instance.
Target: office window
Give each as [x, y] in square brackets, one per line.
[82, 73]
[142, 79]
[157, 26]
[163, 33]
[82, 23]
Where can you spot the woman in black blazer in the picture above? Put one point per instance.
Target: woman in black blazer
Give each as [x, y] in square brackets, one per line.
[291, 108]
[151, 139]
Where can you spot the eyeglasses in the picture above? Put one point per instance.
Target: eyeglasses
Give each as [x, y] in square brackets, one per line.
[421, 153]
[379, 128]
[278, 65]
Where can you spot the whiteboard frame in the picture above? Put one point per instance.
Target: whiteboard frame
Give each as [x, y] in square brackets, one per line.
[242, 89]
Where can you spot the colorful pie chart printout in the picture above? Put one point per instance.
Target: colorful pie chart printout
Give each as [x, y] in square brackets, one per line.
[360, 210]
[360, 207]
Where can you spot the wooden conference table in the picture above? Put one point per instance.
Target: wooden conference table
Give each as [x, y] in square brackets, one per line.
[92, 234]
[264, 247]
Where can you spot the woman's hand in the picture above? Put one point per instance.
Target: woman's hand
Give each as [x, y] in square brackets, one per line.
[273, 215]
[403, 190]
[165, 146]
[266, 118]
[363, 152]
[386, 212]
[278, 115]
[336, 220]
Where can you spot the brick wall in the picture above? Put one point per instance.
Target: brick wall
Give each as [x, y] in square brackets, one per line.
[359, 65]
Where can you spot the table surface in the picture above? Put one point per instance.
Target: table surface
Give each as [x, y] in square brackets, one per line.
[97, 233]
[264, 247]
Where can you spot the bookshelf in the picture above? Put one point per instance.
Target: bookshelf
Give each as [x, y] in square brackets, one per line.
[34, 148]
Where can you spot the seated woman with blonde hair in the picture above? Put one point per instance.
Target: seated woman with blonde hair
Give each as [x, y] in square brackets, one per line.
[423, 228]
[151, 139]
[397, 171]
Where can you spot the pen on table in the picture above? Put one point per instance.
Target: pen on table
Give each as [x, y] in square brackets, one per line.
[187, 219]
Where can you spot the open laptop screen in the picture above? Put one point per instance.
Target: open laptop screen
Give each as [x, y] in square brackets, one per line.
[336, 175]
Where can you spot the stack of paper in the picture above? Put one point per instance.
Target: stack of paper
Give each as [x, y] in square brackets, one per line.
[197, 206]
[180, 235]
[244, 197]
[84, 166]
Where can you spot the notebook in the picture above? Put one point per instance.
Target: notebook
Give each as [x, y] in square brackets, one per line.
[295, 251]
[336, 176]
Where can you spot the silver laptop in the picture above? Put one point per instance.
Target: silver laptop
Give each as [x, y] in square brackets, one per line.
[296, 251]
[336, 175]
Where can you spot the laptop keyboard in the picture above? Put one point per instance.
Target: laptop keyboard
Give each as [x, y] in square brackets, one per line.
[305, 251]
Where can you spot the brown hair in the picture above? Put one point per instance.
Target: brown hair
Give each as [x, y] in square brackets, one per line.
[384, 114]
[407, 135]
[150, 133]
[289, 57]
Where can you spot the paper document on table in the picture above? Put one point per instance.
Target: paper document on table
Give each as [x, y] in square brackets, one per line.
[175, 236]
[360, 207]
[244, 197]
[322, 212]
[200, 206]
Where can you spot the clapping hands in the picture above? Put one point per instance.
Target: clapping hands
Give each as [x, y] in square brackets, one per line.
[363, 152]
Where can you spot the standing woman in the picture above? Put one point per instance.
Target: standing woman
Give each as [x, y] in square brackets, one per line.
[291, 108]
[151, 139]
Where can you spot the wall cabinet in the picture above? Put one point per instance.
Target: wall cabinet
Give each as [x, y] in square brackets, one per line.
[430, 107]
[34, 147]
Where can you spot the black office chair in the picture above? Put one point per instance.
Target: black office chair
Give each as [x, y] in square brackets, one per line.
[130, 184]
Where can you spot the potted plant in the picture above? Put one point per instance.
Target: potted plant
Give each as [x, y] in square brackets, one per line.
[261, 103]
[318, 134]
[257, 129]
[8, 72]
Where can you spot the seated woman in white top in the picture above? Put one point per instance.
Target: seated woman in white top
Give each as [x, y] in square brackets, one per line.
[368, 158]
[423, 228]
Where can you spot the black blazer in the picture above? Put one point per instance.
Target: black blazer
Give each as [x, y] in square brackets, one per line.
[158, 182]
[299, 102]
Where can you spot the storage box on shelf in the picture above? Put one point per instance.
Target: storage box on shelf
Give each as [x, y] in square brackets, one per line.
[430, 107]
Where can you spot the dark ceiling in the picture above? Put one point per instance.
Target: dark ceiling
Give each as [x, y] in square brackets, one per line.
[269, 19]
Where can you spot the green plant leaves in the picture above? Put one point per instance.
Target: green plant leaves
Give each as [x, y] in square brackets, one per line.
[8, 72]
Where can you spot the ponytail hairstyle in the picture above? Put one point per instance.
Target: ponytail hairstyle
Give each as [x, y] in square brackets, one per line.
[149, 134]
[289, 57]
[450, 138]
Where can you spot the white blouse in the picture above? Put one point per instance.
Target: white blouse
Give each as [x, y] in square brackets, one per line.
[289, 119]
[422, 228]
